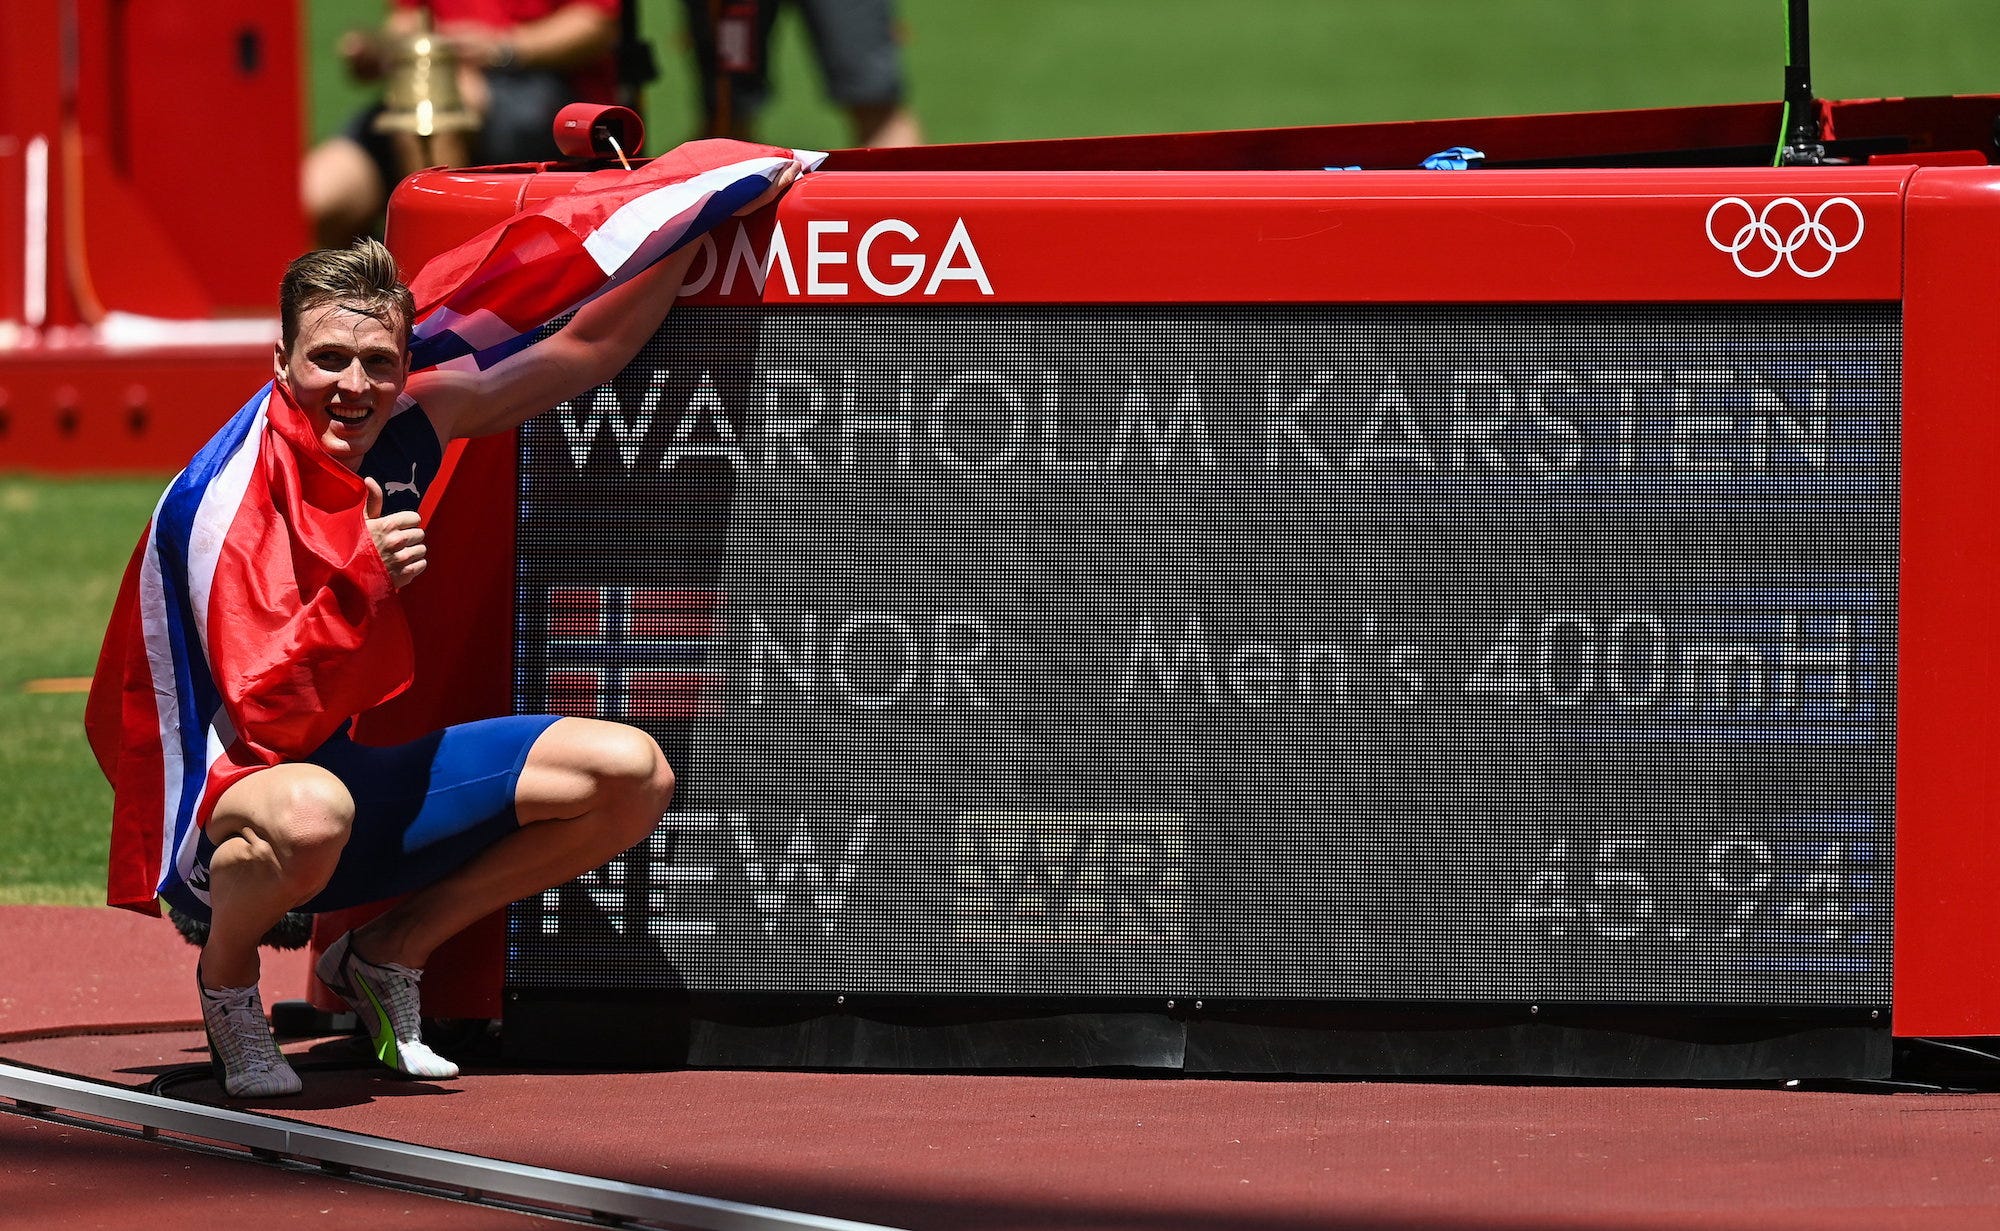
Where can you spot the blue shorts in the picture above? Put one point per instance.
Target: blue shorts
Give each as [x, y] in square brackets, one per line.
[422, 810]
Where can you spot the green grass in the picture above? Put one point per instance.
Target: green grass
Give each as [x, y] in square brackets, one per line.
[63, 546]
[987, 70]
[983, 70]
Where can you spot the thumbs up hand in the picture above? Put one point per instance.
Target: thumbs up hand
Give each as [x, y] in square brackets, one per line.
[399, 538]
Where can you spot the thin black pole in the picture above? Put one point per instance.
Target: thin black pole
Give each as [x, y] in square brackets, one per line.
[1801, 137]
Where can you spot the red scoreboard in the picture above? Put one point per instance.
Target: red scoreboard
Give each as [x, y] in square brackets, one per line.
[1272, 616]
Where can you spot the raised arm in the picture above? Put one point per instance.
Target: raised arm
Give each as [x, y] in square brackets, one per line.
[599, 340]
[604, 336]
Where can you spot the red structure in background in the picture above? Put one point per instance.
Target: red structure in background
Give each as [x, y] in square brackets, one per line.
[136, 287]
[1929, 210]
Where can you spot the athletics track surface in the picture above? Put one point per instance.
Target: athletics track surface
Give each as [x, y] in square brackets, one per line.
[976, 1152]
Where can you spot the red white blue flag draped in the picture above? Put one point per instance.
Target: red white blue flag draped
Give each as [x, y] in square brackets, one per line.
[255, 616]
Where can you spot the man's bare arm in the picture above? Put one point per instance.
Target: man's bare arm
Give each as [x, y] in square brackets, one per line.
[603, 336]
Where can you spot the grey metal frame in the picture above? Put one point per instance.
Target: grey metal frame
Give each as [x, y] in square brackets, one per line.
[334, 1149]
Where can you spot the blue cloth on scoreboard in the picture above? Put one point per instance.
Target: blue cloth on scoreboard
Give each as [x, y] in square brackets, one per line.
[1457, 158]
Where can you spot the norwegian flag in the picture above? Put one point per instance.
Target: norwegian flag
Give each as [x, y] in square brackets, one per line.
[631, 653]
[255, 616]
[487, 298]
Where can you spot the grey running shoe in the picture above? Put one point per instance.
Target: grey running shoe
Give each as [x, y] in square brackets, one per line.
[385, 999]
[246, 1060]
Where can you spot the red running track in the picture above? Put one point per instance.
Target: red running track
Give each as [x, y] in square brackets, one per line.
[951, 1152]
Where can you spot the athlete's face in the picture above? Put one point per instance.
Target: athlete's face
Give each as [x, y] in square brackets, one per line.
[345, 370]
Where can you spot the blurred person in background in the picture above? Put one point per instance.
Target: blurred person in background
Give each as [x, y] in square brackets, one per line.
[520, 61]
[857, 43]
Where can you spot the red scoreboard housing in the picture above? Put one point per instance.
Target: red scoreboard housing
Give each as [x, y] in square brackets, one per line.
[1674, 214]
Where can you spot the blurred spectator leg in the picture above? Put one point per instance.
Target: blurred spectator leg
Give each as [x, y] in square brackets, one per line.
[859, 46]
[342, 191]
[878, 126]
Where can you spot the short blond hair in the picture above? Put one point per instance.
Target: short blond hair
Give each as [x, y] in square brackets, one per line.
[361, 278]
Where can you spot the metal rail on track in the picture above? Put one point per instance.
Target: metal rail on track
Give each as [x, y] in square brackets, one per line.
[468, 1174]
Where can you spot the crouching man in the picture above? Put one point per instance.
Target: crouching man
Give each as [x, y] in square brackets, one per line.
[260, 614]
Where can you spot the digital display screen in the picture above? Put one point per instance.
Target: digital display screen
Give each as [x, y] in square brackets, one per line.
[1383, 652]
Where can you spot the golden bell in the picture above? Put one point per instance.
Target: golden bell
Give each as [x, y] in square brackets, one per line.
[420, 86]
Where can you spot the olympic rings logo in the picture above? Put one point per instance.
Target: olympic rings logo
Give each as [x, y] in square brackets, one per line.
[1783, 230]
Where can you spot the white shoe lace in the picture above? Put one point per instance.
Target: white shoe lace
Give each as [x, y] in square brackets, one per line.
[252, 1065]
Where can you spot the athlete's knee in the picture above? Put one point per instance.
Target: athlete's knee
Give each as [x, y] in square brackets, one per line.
[616, 757]
[307, 823]
[286, 825]
[316, 810]
[633, 776]
[607, 771]
[659, 780]
[642, 769]
[297, 850]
